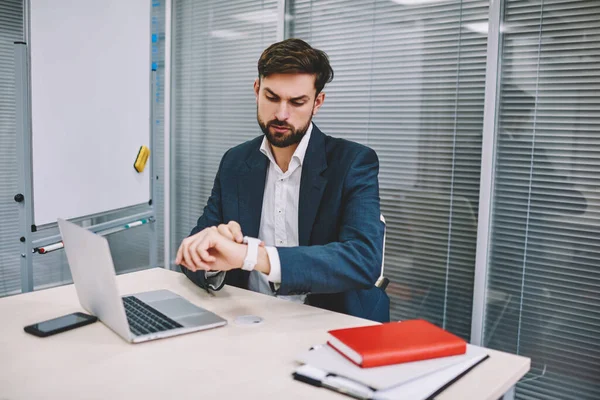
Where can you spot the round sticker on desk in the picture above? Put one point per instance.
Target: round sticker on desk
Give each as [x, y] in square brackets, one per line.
[248, 320]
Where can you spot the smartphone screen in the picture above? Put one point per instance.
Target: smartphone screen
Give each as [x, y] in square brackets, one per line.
[60, 322]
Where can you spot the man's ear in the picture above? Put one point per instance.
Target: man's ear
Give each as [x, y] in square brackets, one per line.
[256, 88]
[318, 102]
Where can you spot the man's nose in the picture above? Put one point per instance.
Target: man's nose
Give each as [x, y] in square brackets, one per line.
[282, 113]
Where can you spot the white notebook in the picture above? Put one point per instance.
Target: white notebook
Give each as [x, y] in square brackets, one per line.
[428, 386]
[327, 359]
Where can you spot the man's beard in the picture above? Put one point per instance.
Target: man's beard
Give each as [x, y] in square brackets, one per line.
[282, 140]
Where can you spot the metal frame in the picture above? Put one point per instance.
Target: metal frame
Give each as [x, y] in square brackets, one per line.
[488, 157]
[281, 22]
[167, 138]
[25, 167]
[153, 176]
[115, 225]
[172, 128]
[25, 196]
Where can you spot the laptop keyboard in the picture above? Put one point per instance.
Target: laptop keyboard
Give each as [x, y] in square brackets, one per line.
[144, 319]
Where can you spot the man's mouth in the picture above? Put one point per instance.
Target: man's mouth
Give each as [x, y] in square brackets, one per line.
[280, 129]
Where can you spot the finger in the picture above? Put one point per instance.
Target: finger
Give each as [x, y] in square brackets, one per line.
[188, 259]
[205, 255]
[183, 264]
[208, 242]
[204, 267]
[186, 256]
[189, 267]
[178, 256]
[236, 230]
[196, 247]
[201, 266]
[196, 256]
[261, 244]
[225, 231]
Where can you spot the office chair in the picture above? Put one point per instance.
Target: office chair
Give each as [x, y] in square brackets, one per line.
[382, 282]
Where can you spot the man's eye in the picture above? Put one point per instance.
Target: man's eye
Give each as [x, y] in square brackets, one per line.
[271, 98]
[297, 103]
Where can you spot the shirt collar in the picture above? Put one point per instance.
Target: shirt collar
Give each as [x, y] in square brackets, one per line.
[299, 153]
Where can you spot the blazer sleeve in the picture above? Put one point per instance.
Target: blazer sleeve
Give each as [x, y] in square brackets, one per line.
[211, 216]
[354, 261]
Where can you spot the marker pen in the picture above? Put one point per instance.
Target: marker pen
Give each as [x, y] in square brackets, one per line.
[137, 223]
[50, 247]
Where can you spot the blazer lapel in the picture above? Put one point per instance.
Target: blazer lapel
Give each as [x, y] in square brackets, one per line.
[251, 189]
[312, 185]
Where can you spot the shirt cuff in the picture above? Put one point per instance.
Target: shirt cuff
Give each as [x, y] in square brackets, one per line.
[215, 279]
[275, 274]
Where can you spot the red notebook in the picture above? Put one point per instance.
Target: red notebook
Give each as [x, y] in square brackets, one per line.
[395, 343]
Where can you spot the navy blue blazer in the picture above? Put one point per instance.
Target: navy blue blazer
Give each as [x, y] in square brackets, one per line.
[340, 233]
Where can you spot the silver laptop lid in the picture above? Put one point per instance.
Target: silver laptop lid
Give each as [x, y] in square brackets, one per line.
[94, 276]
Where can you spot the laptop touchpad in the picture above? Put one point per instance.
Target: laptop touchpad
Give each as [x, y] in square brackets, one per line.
[176, 308]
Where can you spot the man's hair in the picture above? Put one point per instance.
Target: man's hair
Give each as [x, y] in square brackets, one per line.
[296, 56]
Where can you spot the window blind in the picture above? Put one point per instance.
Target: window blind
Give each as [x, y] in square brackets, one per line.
[545, 241]
[11, 30]
[409, 83]
[216, 46]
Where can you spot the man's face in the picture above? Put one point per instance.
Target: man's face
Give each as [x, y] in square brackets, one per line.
[285, 106]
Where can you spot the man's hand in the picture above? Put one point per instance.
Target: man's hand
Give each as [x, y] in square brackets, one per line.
[211, 250]
[232, 231]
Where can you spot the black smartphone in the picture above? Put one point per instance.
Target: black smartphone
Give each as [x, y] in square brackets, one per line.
[60, 324]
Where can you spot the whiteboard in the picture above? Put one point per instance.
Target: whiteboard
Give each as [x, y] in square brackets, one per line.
[90, 105]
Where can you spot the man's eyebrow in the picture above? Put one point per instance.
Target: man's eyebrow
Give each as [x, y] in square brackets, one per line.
[272, 93]
[303, 97]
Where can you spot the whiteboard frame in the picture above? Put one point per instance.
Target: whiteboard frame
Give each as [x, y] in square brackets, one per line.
[27, 227]
[87, 64]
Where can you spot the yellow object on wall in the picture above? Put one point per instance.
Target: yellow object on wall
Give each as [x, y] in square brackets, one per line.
[141, 159]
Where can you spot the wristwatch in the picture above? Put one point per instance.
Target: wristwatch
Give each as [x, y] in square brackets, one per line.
[251, 253]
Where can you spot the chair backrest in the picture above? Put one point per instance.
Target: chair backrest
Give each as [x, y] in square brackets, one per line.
[382, 282]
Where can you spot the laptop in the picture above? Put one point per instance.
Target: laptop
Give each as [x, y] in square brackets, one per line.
[138, 317]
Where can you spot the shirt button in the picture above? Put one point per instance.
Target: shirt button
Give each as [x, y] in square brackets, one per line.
[279, 211]
[281, 242]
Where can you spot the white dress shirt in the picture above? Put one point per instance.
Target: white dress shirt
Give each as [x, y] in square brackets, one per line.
[279, 217]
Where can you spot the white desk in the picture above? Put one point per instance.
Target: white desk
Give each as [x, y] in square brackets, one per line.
[231, 362]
